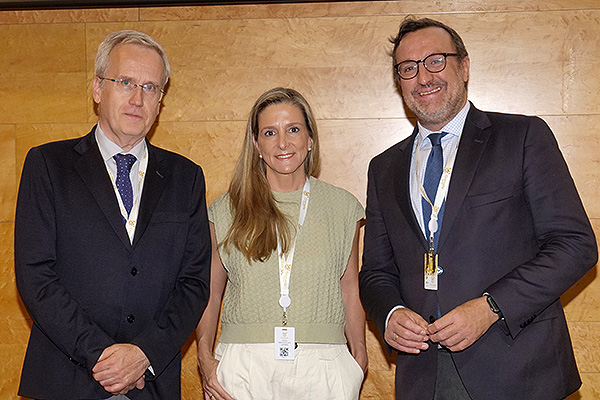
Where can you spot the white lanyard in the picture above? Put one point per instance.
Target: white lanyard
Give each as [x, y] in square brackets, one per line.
[285, 261]
[442, 192]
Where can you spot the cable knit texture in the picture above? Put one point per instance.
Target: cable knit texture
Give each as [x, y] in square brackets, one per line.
[251, 302]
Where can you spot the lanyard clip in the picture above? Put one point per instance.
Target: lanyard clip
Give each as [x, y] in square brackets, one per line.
[431, 245]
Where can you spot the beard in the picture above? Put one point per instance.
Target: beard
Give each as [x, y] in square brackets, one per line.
[435, 114]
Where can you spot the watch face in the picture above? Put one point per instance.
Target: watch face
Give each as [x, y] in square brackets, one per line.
[493, 304]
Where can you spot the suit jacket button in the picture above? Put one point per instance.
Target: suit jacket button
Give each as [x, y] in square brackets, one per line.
[134, 271]
[130, 319]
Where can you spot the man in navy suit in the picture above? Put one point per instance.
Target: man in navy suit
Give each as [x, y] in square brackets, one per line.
[112, 246]
[474, 230]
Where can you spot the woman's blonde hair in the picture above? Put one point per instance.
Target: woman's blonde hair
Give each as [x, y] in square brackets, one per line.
[256, 217]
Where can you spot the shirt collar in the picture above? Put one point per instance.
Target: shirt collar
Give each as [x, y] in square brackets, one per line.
[454, 127]
[108, 148]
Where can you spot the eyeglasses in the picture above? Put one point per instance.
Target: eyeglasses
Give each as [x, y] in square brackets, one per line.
[127, 87]
[435, 62]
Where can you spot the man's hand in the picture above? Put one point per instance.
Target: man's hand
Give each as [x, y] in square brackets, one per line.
[407, 331]
[463, 326]
[121, 368]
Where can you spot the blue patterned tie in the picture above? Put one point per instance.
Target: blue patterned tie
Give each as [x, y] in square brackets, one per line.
[124, 164]
[433, 174]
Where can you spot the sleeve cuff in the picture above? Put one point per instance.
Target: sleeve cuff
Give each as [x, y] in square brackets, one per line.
[390, 314]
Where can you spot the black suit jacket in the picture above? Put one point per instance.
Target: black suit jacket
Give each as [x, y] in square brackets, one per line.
[513, 226]
[87, 287]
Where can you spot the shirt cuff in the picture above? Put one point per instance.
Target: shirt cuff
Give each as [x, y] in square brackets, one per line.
[390, 314]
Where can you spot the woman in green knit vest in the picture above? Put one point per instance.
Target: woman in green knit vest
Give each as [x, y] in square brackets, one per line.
[285, 266]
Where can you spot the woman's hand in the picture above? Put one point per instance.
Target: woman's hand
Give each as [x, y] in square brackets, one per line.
[360, 355]
[206, 330]
[355, 314]
[210, 383]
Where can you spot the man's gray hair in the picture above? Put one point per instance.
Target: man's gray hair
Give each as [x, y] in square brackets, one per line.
[128, 37]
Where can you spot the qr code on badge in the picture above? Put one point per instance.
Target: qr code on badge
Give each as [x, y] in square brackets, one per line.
[284, 352]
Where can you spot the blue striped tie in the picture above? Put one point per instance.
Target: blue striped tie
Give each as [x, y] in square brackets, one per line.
[431, 181]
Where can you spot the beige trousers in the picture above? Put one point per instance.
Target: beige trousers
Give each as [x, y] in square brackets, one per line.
[319, 371]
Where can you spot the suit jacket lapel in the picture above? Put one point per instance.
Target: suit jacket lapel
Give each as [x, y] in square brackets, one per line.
[402, 185]
[154, 184]
[92, 170]
[472, 143]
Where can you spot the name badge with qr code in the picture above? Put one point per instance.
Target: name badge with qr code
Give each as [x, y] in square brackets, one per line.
[285, 342]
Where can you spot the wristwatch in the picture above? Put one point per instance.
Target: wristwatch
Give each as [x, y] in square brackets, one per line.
[493, 306]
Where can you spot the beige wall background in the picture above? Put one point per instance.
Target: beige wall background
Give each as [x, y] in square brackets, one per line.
[527, 56]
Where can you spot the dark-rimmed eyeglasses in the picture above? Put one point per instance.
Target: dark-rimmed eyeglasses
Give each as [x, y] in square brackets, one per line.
[435, 62]
[127, 87]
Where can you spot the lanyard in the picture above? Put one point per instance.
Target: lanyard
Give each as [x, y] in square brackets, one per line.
[131, 219]
[285, 261]
[442, 192]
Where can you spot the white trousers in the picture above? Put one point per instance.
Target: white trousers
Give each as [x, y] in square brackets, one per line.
[319, 371]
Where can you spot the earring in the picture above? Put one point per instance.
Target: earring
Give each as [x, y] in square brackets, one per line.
[260, 156]
[310, 148]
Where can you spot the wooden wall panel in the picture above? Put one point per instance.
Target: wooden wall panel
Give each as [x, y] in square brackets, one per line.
[527, 56]
[359, 8]
[507, 66]
[213, 145]
[13, 342]
[333, 92]
[587, 348]
[43, 48]
[9, 301]
[48, 96]
[590, 388]
[8, 183]
[354, 143]
[44, 68]
[69, 16]
[14, 327]
[580, 144]
[9, 382]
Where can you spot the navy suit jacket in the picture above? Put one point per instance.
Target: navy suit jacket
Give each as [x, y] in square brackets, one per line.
[87, 287]
[513, 226]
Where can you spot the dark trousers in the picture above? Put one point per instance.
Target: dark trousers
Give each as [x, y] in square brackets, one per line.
[448, 385]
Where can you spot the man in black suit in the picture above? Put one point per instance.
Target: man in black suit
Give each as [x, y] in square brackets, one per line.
[474, 230]
[112, 246]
